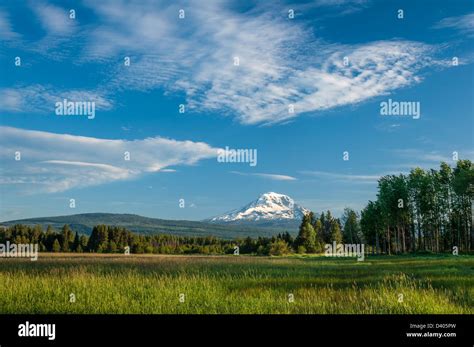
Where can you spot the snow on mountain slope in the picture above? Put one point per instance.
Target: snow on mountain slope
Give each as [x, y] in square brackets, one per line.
[268, 207]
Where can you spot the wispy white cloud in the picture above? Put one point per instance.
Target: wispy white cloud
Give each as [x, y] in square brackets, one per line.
[464, 24]
[281, 62]
[432, 158]
[336, 206]
[58, 162]
[339, 2]
[54, 20]
[404, 161]
[40, 98]
[388, 127]
[6, 30]
[61, 34]
[369, 179]
[274, 177]
[420, 155]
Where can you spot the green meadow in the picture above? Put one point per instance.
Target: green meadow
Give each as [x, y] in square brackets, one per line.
[112, 283]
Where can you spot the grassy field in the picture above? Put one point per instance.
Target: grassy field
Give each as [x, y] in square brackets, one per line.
[236, 284]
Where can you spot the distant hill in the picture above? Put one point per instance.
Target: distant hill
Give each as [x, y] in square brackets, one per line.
[83, 223]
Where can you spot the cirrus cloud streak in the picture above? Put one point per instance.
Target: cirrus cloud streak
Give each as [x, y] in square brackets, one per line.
[57, 162]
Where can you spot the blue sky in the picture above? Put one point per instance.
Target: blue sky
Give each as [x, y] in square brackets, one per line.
[191, 61]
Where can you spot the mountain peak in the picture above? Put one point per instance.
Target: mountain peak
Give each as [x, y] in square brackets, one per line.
[269, 206]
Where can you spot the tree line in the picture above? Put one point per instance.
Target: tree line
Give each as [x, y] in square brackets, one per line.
[112, 239]
[426, 210]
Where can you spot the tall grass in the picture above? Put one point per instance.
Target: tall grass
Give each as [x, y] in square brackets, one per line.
[228, 284]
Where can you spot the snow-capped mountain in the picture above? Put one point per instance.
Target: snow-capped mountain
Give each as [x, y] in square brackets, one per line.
[269, 207]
